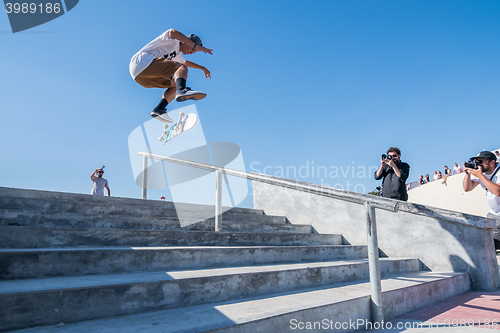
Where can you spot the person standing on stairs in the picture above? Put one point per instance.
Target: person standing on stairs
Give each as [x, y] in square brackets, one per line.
[99, 183]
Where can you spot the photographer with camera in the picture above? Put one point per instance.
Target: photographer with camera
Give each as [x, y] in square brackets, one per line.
[99, 183]
[483, 169]
[394, 173]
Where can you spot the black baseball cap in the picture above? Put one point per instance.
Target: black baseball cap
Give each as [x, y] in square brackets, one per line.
[195, 39]
[486, 154]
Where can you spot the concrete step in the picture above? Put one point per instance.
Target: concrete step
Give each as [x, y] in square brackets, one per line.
[257, 223]
[40, 263]
[91, 199]
[41, 237]
[66, 299]
[247, 226]
[87, 208]
[322, 307]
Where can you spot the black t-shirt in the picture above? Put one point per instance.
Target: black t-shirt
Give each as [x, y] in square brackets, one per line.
[393, 186]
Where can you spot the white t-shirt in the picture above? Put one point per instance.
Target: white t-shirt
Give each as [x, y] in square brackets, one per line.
[160, 47]
[493, 200]
[98, 185]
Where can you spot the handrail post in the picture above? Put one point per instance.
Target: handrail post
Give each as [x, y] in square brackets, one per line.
[218, 200]
[145, 177]
[377, 311]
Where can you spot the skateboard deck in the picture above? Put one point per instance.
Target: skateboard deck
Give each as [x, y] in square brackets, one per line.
[184, 123]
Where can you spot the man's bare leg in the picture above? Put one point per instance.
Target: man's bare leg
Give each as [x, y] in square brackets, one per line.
[169, 94]
[184, 93]
[181, 73]
[160, 112]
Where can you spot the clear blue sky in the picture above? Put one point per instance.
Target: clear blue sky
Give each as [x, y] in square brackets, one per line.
[294, 83]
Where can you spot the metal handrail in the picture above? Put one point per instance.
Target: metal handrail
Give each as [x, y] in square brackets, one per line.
[370, 205]
[278, 181]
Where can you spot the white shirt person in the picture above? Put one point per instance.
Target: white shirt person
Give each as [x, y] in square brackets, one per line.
[99, 183]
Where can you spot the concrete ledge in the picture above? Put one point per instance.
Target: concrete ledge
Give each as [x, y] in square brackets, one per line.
[451, 195]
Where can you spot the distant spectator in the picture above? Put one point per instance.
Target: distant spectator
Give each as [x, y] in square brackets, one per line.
[435, 177]
[457, 169]
[421, 180]
[426, 179]
[447, 173]
[99, 183]
[497, 155]
[440, 175]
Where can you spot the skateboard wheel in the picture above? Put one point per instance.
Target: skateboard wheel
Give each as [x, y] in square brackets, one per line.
[176, 128]
[181, 114]
[165, 126]
[160, 139]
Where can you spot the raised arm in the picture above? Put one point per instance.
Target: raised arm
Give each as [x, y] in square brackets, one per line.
[380, 172]
[491, 186]
[204, 69]
[92, 176]
[467, 183]
[174, 34]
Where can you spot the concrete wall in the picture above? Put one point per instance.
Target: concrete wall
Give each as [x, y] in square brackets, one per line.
[443, 240]
[451, 196]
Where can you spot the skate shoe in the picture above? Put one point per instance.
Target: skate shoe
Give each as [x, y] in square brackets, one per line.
[161, 115]
[187, 93]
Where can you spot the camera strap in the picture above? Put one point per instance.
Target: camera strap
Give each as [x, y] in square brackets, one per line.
[493, 175]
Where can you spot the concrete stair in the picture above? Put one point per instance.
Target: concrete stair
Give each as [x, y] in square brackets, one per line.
[325, 308]
[125, 265]
[41, 237]
[40, 263]
[33, 218]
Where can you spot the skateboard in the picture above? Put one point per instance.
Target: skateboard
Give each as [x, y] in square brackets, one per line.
[185, 123]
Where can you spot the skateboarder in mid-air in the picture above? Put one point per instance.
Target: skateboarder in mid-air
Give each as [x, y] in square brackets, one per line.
[160, 64]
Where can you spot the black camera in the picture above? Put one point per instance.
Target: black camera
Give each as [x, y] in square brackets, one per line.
[386, 157]
[472, 163]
